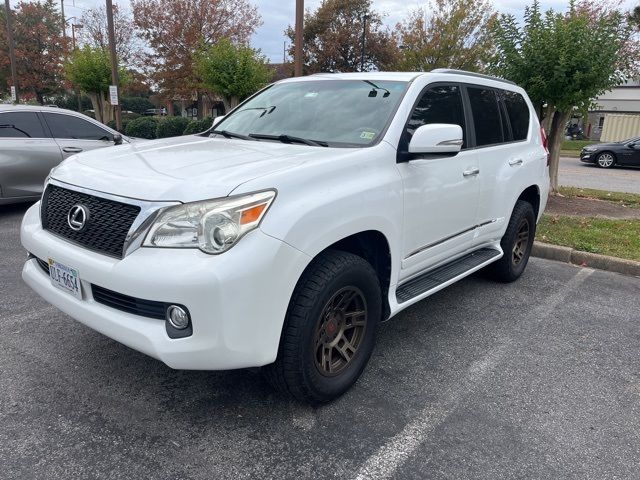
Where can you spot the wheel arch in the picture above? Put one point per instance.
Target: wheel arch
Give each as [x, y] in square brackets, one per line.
[374, 247]
[531, 194]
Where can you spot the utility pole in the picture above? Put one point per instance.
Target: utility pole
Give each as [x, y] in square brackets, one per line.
[364, 35]
[298, 47]
[64, 21]
[114, 59]
[12, 53]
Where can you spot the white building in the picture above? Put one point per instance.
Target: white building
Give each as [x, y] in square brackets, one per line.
[624, 99]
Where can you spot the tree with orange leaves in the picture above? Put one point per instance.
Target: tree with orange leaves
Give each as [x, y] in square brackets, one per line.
[40, 48]
[176, 29]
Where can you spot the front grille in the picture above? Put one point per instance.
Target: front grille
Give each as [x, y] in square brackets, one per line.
[136, 306]
[107, 225]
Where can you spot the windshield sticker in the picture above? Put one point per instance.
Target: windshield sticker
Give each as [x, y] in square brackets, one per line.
[367, 135]
[311, 95]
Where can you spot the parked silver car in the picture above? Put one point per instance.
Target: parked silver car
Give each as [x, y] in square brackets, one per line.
[33, 140]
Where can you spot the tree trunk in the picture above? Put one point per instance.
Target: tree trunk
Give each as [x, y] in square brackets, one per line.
[555, 142]
[97, 108]
[548, 116]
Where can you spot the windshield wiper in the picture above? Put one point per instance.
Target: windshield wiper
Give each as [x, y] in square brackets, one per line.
[228, 134]
[289, 139]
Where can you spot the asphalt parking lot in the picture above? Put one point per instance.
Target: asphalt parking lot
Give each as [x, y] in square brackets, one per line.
[573, 173]
[537, 379]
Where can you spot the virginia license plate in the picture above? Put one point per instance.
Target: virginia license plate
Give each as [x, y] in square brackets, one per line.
[65, 278]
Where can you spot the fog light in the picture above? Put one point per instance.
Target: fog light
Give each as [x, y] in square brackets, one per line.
[177, 317]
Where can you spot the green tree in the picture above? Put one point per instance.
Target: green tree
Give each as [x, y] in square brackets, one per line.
[446, 34]
[333, 38]
[231, 71]
[634, 17]
[565, 60]
[90, 69]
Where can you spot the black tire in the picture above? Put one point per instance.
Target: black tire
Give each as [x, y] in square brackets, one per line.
[512, 264]
[606, 159]
[296, 370]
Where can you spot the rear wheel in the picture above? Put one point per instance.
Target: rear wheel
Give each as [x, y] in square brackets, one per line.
[330, 327]
[516, 244]
[605, 160]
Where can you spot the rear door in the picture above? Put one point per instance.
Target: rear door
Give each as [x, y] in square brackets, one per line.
[501, 120]
[75, 134]
[27, 154]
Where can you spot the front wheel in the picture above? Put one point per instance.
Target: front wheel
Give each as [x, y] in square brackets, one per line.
[330, 327]
[516, 244]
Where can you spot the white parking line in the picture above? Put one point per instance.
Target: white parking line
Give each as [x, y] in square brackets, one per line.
[390, 456]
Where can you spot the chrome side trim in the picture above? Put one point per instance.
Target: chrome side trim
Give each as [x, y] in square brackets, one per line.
[450, 237]
[148, 212]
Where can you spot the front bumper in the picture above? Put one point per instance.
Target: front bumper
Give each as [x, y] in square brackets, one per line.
[237, 300]
[587, 157]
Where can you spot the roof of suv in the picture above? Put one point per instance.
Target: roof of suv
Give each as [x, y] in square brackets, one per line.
[400, 76]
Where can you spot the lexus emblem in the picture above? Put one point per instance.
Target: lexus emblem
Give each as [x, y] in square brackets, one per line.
[77, 217]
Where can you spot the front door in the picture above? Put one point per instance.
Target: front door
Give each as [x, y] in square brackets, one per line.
[440, 192]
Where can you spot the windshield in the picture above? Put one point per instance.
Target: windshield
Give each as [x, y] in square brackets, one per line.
[336, 113]
[631, 140]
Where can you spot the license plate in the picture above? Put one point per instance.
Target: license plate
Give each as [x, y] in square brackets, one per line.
[65, 278]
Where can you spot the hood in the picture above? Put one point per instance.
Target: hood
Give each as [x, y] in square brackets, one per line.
[181, 168]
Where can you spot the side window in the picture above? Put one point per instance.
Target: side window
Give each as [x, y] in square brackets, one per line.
[21, 125]
[68, 126]
[439, 104]
[486, 116]
[518, 112]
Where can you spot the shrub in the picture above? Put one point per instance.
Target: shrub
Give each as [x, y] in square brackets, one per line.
[136, 104]
[126, 118]
[171, 127]
[197, 126]
[143, 127]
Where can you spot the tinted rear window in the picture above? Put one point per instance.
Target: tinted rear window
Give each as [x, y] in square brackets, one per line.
[20, 125]
[518, 114]
[486, 116]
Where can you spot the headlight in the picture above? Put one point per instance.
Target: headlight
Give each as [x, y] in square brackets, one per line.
[213, 226]
[589, 149]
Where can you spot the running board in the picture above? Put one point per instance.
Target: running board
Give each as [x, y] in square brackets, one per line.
[434, 278]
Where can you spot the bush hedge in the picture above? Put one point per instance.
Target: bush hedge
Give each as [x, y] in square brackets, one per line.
[197, 126]
[171, 127]
[142, 127]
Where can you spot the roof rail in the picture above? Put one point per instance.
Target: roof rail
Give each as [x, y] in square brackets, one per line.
[472, 74]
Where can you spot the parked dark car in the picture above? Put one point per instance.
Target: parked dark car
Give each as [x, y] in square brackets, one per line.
[607, 155]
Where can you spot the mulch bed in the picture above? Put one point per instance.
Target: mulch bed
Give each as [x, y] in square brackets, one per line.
[588, 207]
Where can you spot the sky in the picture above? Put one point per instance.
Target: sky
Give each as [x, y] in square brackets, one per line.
[278, 14]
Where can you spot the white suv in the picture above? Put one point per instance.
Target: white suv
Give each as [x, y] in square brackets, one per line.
[283, 235]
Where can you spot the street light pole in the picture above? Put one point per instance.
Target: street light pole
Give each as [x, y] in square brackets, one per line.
[114, 59]
[365, 17]
[298, 47]
[12, 52]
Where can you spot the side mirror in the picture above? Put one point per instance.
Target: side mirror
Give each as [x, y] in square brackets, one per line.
[117, 139]
[436, 138]
[217, 120]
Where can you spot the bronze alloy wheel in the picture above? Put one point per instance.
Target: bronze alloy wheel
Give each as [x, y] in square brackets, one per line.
[522, 242]
[340, 331]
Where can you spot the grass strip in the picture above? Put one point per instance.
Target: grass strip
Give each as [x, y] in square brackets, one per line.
[616, 238]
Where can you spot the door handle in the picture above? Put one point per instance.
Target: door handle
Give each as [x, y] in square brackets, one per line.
[471, 172]
[71, 149]
[515, 162]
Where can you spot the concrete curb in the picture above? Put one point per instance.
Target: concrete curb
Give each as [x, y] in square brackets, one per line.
[585, 259]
